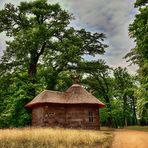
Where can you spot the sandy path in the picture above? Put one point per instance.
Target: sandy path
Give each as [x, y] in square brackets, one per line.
[130, 139]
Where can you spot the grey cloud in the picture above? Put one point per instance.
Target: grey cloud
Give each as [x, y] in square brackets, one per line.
[112, 17]
[2, 43]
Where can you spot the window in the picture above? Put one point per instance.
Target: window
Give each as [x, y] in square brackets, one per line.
[90, 117]
[51, 114]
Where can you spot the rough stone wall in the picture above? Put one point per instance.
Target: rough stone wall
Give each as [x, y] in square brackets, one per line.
[78, 117]
[68, 116]
[38, 116]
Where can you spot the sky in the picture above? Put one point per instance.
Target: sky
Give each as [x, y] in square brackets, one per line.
[111, 17]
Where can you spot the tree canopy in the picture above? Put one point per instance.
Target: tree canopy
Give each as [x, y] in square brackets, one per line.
[139, 55]
[40, 31]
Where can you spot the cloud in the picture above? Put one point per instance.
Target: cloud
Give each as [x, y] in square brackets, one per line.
[2, 44]
[111, 17]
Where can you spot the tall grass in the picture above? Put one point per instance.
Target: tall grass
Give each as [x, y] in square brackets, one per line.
[52, 138]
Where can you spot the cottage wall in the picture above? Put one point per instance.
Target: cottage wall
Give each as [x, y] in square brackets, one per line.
[69, 116]
[78, 117]
[38, 116]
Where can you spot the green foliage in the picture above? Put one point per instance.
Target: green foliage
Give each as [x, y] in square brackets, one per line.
[121, 106]
[43, 53]
[142, 104]
[124, 91]
[122, 78]
[140, 3]
[139, 31]
[44, 30]
[13, 112]
[117, 113]
[139, 55]
[32, 25]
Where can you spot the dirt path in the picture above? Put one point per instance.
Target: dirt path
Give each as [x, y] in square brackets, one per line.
[130, 139]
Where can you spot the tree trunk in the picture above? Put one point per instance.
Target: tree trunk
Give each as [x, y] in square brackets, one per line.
[32, 73]
[124, 110]
[115, 123]
[34, 60]
[110, 119]
[134, 111]
[32, 70]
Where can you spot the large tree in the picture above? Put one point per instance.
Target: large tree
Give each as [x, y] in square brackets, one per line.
[124, 91]
[32, 26]
[69, 51]
[41, 33]
[139, 55]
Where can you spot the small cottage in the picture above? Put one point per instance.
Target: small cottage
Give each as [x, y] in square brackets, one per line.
[75, 108]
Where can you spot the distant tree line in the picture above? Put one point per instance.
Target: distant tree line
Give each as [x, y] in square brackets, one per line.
[139, 55]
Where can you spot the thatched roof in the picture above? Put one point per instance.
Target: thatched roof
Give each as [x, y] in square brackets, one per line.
[76, 94]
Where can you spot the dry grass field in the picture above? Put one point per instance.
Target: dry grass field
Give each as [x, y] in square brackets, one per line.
[53, 138]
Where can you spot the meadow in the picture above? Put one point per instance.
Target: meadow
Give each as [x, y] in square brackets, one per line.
[53, 138]
[139, 128]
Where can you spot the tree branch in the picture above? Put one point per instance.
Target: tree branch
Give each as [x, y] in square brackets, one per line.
[42, 49]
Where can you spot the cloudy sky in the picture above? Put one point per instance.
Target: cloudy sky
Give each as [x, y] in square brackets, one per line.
[111, 17]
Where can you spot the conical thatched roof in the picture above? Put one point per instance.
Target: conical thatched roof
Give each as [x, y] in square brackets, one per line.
[76, 94]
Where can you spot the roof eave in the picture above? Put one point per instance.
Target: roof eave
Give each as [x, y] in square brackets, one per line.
[31, 106]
